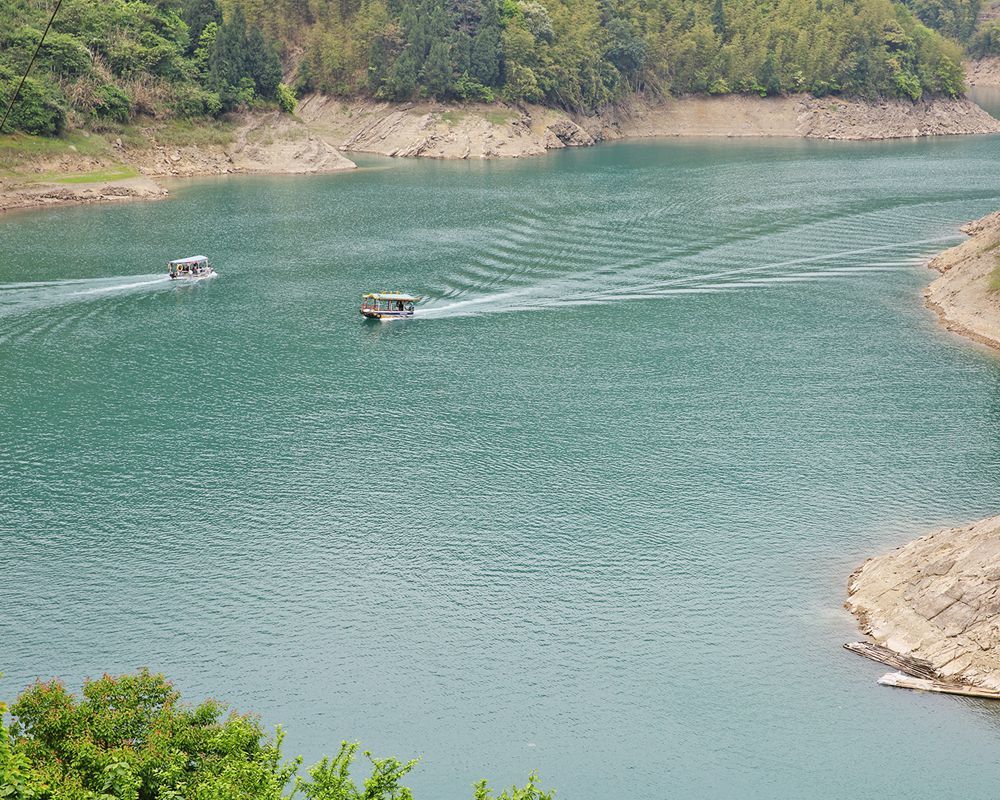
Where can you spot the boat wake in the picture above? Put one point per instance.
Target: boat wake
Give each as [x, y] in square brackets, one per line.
[31, 309]
[22, 298]
[639, 279]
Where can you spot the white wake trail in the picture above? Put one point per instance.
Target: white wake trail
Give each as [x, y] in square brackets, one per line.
[25, 297]
[573, 289]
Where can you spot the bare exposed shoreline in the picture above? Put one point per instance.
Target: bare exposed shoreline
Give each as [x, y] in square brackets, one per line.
[937, 598]
[961, 296]
[324, 128]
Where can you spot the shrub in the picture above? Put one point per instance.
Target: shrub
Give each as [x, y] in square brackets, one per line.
[718, 86]
[469, 88]
[191, 101]
[130, 737]
[908, 85]
[113, 104]
[987, 41]
[522, 84]
[245, 94]
[37, 109]
[286, 99]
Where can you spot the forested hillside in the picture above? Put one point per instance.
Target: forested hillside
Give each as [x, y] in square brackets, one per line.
[109, 61]
[967, 21]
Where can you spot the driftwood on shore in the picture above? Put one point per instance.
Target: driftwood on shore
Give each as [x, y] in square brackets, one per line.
[915, 673]
[917, 667]
[902, 681]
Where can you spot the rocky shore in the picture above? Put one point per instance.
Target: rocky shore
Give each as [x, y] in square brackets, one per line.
[263, 144]
[17, 195]
[964, 296]
[312, 140]
[938, 598]
[435, 130]
[985, 72]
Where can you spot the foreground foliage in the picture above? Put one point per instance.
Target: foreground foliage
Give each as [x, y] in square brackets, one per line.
[130, 738]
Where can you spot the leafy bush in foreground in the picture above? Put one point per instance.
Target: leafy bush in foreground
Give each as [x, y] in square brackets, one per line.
[130, 738]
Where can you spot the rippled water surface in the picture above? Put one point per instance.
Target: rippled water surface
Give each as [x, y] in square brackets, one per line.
[594, 513]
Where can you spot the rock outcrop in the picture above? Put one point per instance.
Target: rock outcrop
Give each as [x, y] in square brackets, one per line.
[269, 143]
[962, 296]
[436, 130]
[835, 118]
[261, 143]
[47, 194]
[938, 599]
[984, 72]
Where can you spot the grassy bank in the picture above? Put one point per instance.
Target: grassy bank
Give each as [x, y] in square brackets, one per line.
[83, 156]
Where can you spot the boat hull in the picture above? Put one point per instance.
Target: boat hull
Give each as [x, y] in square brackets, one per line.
[205, 277]
[385, 316]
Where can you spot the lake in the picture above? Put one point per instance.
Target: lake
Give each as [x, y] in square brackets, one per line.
[593, 514]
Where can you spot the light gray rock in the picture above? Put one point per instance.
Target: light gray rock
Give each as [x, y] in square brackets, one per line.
[937, 598]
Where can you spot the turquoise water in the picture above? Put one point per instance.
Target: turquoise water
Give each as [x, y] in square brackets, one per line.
[988, 97]
[593, 514]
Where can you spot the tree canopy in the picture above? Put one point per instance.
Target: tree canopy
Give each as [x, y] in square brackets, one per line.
[129, 737]
[108, 61]
[583, 54]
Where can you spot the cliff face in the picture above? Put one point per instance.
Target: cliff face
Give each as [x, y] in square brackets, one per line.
[937, 598]
[962, 296]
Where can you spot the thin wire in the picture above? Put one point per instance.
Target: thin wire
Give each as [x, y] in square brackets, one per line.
[31, 63]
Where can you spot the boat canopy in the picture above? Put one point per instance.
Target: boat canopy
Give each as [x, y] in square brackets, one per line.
[406, 298]
[189, 261]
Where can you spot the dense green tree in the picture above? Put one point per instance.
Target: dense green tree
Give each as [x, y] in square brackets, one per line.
[262, 64]
[228, 60]
[986, 42]
[130, 738]
[187, 57]
[436, 73]
[719, 19]
[199, 14]
[485, 59]
[954, 18]
[38, 108]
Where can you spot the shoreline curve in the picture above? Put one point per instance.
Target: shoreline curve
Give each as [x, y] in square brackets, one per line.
[936, 600]
[324, 128]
